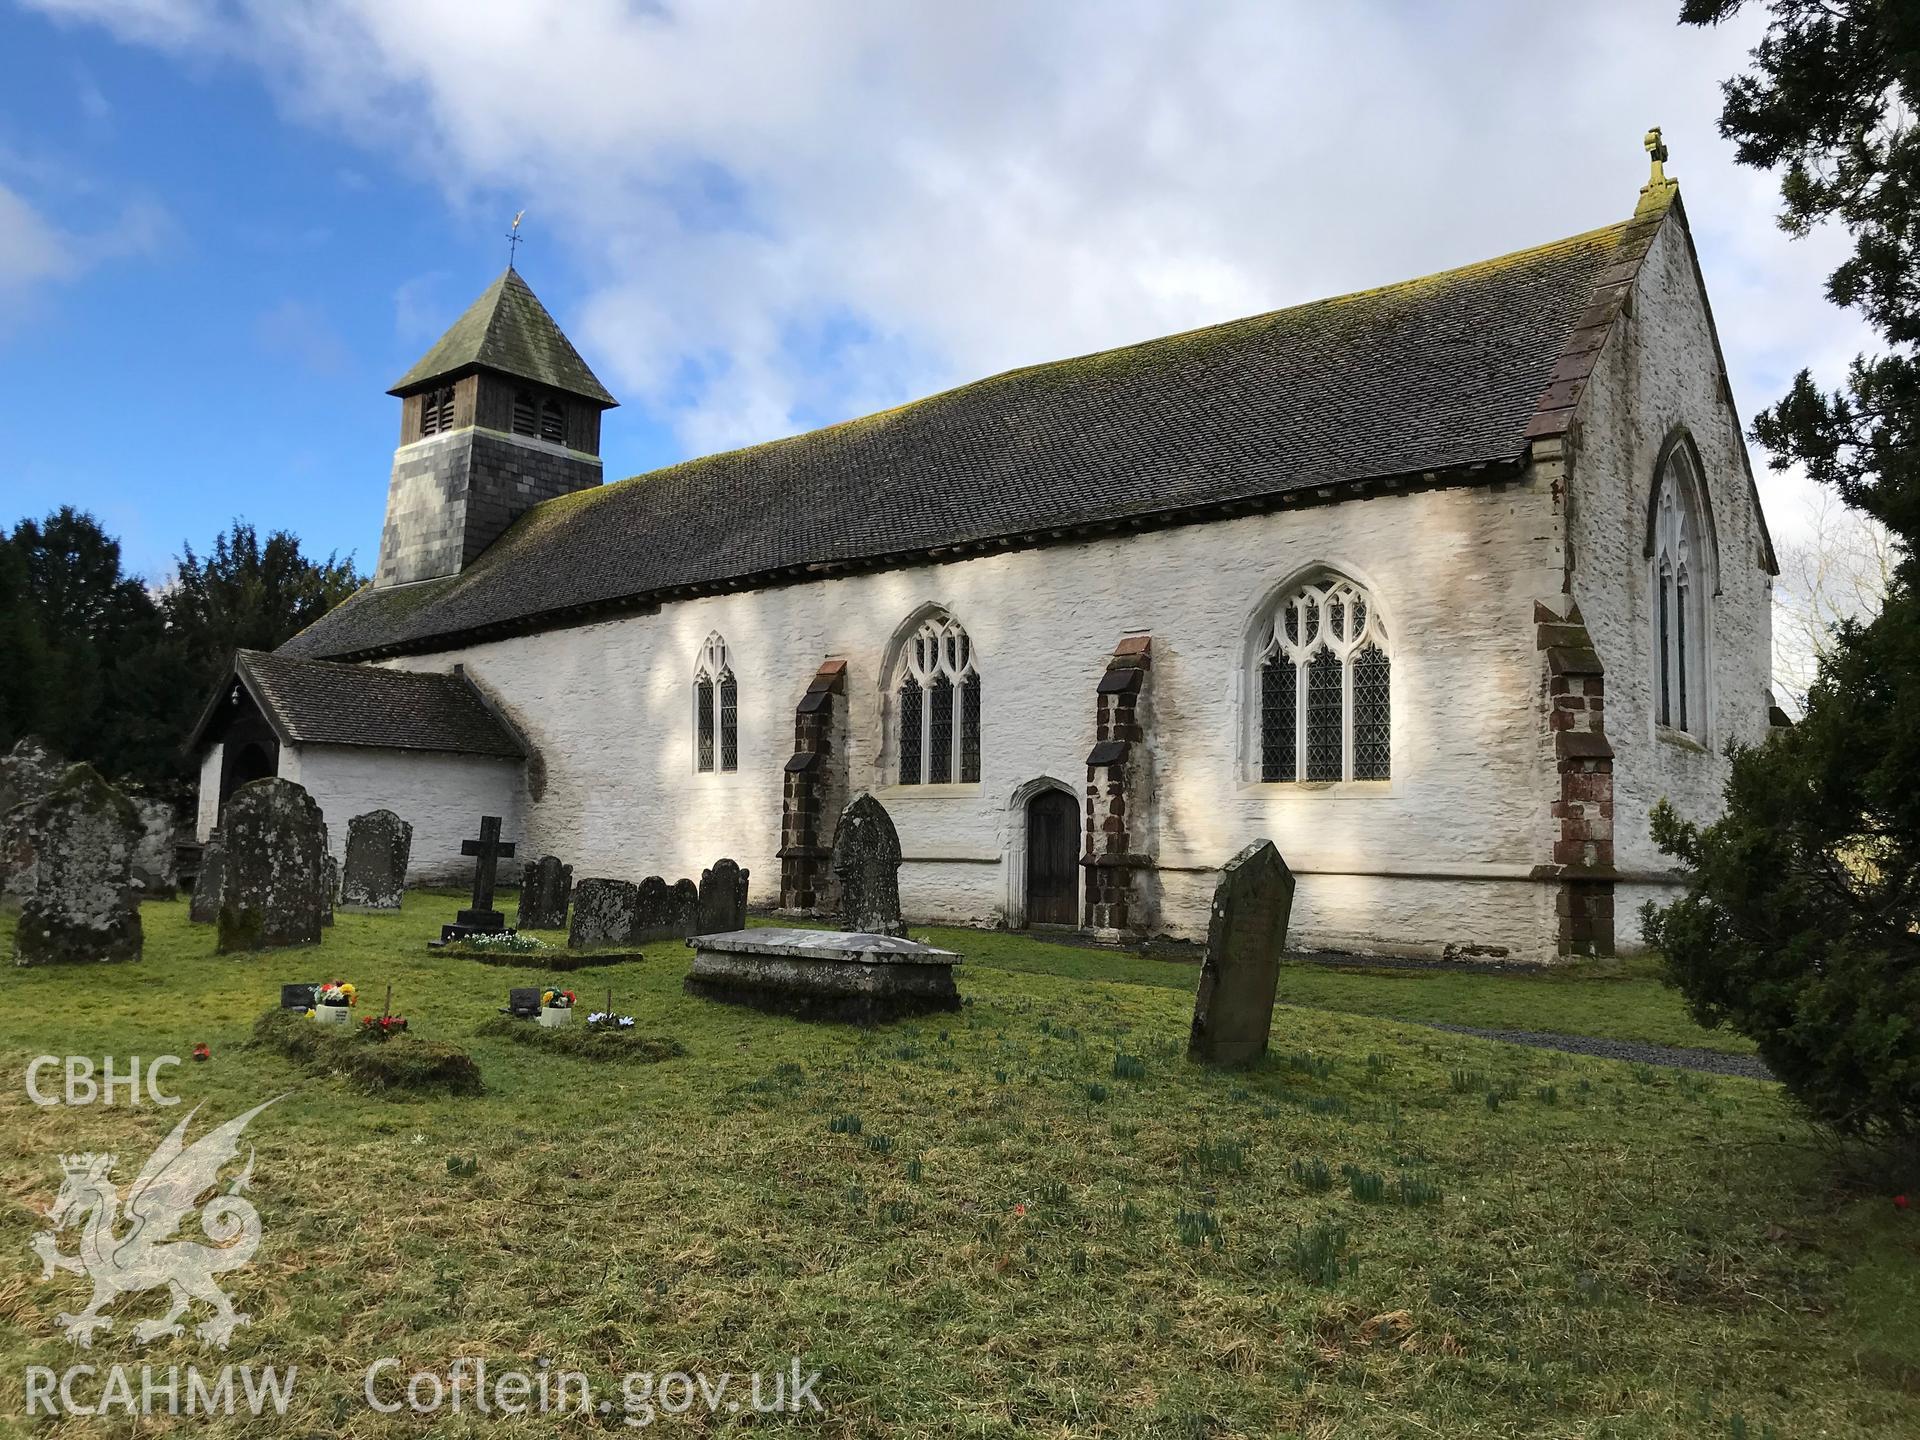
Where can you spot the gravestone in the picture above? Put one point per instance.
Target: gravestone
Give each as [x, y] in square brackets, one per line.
[488, 851]
[274, 891]
[545, 888]
[329, 887]
[82, 908]
[379, 849]
[155, 868]
[723, 899]
[603, 913]
[523, 1003]
[204, 908]
[866, 861]
[665, 912]
[298, 996]
[1234, 1008]
[27, 772]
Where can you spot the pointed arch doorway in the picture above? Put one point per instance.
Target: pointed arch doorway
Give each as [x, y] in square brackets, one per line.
[1053, 858]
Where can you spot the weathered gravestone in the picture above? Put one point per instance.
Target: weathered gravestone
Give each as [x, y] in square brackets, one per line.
[82, 908]
[723, 899]
[603, 913]
[329, 887]
[274, 890]
[379, 848]
[545, 888]
[156, 871]
[665, 912]
[204, 908]
[866, 861]
[27, 772]
[1234, 1009]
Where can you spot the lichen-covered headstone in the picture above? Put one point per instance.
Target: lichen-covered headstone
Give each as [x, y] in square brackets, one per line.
[866, 861]
[545, 888]
[275, 888]
[27, 772]
[204, 907]
[603, 912]
[155, 871]
[723, 899]
[665, 912]
[82, 909]
[379, 849]
[1233, 1011]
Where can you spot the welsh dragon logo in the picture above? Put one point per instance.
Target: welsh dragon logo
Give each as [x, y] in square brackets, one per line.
[146, 1255]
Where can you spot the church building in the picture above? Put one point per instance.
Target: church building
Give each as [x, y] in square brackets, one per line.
[1439, 586]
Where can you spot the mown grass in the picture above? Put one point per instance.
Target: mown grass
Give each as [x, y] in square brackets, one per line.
[1613, 999]
[1030, 1218]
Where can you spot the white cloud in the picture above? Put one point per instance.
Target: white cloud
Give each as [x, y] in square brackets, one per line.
[799, 211]
[37, 253]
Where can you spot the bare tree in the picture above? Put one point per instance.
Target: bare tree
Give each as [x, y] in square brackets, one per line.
[1840, 571]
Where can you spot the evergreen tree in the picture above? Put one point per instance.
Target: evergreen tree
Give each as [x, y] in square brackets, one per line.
[1801, 927]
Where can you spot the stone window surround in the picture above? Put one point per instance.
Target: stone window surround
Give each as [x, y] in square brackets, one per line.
[1260, 643]
[1681, 540]
[934, 622]
[713, 667]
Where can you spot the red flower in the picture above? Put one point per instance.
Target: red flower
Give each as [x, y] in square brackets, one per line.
[201, 1052]
[1021, 1208]
[1899, 1202]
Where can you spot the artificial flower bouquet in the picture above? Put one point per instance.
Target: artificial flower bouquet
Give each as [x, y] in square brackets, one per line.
[556, 1007]
[607, 1020]
[381, 1027]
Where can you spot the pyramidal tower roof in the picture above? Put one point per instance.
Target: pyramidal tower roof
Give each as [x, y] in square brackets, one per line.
[507, 329]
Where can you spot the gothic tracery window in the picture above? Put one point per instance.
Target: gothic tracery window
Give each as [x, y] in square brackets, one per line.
[937, 709]
[1679, 621]
[716, 710]
[1324, 687]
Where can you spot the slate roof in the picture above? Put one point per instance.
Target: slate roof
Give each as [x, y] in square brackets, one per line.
[1426, 379]
[319, 702]
[509, 330]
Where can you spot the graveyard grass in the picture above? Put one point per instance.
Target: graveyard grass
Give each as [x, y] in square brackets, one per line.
[987, 1224]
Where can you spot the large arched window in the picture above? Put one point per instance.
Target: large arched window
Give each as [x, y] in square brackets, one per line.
[937, 712]
[1324, 681]
[716, 710]
[1680, 552]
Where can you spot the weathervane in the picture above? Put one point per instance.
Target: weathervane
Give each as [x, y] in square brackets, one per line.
[513, 238]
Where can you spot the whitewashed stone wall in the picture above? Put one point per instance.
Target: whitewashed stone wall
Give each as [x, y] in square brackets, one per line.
[442, 796]
[1436, 857]
[1658, 373]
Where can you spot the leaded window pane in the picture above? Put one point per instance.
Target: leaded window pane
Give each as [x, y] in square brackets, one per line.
[729, 722]
[940, 732]
[703, 723]
[1666, 683]
[1279, 714]
[970, 729]
[1325, 742]
[1680, 646]
[910, 698]
[1372, 715]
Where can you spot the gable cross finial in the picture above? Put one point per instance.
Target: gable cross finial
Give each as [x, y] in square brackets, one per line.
[1657, 152]
[513, 238]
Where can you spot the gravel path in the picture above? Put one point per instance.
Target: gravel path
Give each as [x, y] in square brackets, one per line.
[1711, 1062]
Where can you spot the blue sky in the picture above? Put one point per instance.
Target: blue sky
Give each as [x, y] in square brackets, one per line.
[227, 225]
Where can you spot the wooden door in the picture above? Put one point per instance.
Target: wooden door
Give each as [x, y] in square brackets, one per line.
[1053, 858]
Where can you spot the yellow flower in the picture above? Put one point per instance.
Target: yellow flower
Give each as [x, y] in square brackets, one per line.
[546, 997]
[309, 1014]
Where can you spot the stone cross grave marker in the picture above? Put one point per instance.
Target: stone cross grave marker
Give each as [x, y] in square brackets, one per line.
[488, 851]
[1233, 1010]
